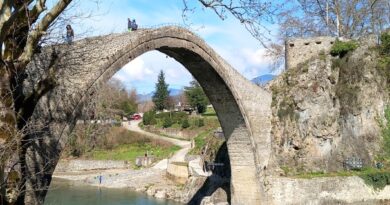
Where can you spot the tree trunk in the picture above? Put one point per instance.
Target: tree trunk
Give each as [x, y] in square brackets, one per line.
[7, 125]
[41, 157]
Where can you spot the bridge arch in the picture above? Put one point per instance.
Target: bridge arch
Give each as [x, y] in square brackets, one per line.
[243, 109]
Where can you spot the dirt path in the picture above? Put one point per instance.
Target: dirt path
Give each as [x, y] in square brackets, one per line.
[179, 156]
[144, 180]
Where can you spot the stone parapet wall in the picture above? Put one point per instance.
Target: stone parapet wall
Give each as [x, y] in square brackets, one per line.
[178, 172]
[299, 50]
[82, 165]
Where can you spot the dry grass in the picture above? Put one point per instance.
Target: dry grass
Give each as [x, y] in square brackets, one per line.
[87, 138]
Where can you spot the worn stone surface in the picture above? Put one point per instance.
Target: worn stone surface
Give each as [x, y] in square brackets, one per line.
[80, 165]
[242, 107]
[321, 112]
[327, 109]
[178, 172]
[325, 190]
[299, 50]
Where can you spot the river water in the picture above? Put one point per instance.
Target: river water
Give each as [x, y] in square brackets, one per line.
[62, 192]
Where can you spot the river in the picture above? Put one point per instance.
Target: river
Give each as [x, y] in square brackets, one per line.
[61, 192]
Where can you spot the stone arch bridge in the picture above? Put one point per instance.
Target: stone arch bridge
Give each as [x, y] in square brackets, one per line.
[243, 108]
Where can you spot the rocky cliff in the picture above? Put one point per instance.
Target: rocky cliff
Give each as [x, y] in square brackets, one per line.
[328, 108]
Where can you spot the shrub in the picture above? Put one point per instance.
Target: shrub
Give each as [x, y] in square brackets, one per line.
[185, 124]
[376, 180]
[149, 118]
[153, 121]
[167, 122]
[385, 45]
[341, 48]
[200, 122]
[176, 117]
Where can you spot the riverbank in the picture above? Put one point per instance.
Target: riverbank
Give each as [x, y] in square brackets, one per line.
[63, 192]
[156, 181]
[149, 180]
[153, 180]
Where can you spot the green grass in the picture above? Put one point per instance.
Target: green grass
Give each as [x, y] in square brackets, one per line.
[130, 152]
[210, 112]
[200, 141]
[386, 133]
[343, 173]
[376, 178]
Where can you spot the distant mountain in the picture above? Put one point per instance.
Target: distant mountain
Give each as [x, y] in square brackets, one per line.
[175, 92]
[144, 97]
[263, 79]
[149, 96]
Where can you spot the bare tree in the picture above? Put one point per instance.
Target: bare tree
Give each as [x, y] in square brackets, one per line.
[255, 15]
[111, 100]
[25, 25]
[300, 18]
[348, 18]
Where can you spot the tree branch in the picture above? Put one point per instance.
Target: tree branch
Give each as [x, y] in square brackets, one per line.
[5, 14]
[35, 35]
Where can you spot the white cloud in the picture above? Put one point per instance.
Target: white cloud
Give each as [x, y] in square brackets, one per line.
[256, 57]
[133, 71]
[228, 38]
[143, 71]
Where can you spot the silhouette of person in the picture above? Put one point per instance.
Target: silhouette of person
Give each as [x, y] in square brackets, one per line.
[69, 34]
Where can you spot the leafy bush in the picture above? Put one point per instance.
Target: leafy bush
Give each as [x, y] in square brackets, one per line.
[341, 48]
[385, 45]
[153, 121]
[377, 180]
[167, 122]
[200, 122]
[149, 118]
[185, 124]
[176, 117]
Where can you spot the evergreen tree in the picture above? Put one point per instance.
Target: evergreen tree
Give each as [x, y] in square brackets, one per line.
[196, 97]
[160, 96]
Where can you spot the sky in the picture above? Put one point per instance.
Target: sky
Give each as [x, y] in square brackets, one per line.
[227, 37]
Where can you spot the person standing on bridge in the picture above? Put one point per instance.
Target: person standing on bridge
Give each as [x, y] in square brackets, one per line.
[69, 34]
[129, 25]
[134, 25]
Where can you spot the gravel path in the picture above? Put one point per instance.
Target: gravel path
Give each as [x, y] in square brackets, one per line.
[135, 179]
[179, 156]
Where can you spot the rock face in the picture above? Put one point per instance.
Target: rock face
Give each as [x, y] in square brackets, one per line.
[327, 109]
[325, 190]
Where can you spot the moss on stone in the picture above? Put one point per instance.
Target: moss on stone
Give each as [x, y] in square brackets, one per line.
[386, 132]
[287, 109]
[349, 84]
[341, 48]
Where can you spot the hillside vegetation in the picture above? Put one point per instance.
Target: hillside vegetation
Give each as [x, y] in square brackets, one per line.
[105, 142]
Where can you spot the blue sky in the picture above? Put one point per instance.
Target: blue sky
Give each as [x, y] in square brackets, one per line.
[228, 38]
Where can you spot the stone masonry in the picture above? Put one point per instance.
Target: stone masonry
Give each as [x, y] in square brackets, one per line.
[243, 109]
[300, 50]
